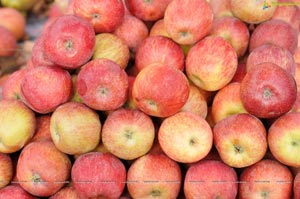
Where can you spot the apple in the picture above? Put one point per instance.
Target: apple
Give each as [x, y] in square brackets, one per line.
[8, 42]
[274, 31]
[75, 96]
[274, 54]
[160, 99]
[73, 46]
[18, 124]
[227, 102]
[42, 128]
[283, 138]
[66, 193]
[6, 170]
[253, 12]
[240, 139]
[296, 186]
[54, 88]
[240, 72]
[14, 21]
[154, 175]
[185, 137]
[21, 5]
[14, 191]
[3, 79]
[159, 50]
[234, 31]
[12, 86]
[75, 128]
[111, 47]
[266, 179]
[90, 181]
[188, 21]
[211, 63]
[219, 182]
[105, 16]
[220, 8]
[158, 29]
[130, 104]
[102, 84]
[42, 169]
[268, 91]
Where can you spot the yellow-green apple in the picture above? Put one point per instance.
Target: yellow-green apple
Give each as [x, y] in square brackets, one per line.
[111, 47]
[152, 10]
[130, 104]
[12, 87]
[159, 50]
[160, 90]
[90, 181]
[220, 8]
[268, 91]
[128, 134]
[240, 72]
[21, 5]
[284, 139]
[274, 31]
[8, 42]
[73, 46]
[42, 169]
[66, 193]
[46, 87]
[240, 139]
[185, 137]
[102, 84]
[14, 191]
[266, 179]
[272, 53]
[154, 176]
[14, 21]
[210, 179]
[18, 124]
[105, 16]
[188, 21]
[211, 63]
[132, 31]
[227, 102]
[197, 102]
[253, 12]
[234, 31]
[6, 170]
[42, 131]
[75, 128]
[296, 186]
[158, 28]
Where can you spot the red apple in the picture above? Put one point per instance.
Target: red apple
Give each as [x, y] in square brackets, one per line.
[211, 63]
[240, 139]
[74, 44]
[15, 191]
[154, 175]
[54, 88]
[266, 179]
[66, 193]
[105, 16]
[6, 170]
[91, 182]
[220, 8]
[296, 186]
[268, 91]
[159, 50]
[160, 99]
[188, 21]
[210, 179]
[8, 42]
[12, 87]
[42, 128]
[102, 84]
[42, 169]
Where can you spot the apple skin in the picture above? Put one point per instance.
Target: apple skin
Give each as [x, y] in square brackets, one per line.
[74, 45]
[105, 16]
[111, 47]
[220, 8]
[240, 139]
[128, 134]
[66, 193]
[18, 124]
[90, 181]
[227, 102]
[283, 136]
[274, 54]
[185, 137]
[219, 182]
[211, 63]
[6, 170]
[296, 186]
[275, 32]
[188, 21]
[240, 72]
[14, 191]
[42, 128]
[12, 87]
[48, 79]
[70, 133]
[154, 175]
[266, 179]
[31, 172]
[158, 28]
[157, 99]
[130, 104]
[268, 91]
[8, 42]
[234, 31]
[102, 84]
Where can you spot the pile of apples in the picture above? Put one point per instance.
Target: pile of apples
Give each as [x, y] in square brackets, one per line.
[156, 99]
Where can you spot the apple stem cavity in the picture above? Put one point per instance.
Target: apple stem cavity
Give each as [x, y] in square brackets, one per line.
[192, 141]
[267, 94]
[155, 193]
[36, 178]
[238, 149]
[128, 134]
[68, 45]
